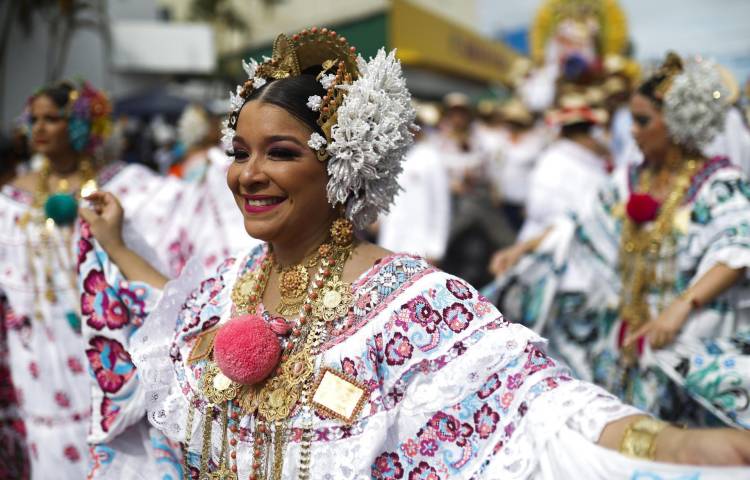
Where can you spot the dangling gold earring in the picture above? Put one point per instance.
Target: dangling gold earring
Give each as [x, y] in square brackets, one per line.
[342, 232]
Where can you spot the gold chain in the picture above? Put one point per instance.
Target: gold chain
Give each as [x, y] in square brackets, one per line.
[272, 402]
[640, 248]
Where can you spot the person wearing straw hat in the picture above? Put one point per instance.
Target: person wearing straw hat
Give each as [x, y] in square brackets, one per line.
[570, 169]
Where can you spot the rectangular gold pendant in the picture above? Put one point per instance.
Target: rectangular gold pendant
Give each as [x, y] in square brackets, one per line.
[204, 345]
[338, 395]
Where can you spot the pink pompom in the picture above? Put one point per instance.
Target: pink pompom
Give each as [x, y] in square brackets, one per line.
[246, 349]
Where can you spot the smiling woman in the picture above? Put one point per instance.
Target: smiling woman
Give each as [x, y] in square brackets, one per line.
[318, 355]
[277, 179]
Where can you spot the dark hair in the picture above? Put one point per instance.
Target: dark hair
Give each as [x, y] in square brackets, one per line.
[58, 92]
[655, 85]
[291, 94]
[576, 129]
[649, 88]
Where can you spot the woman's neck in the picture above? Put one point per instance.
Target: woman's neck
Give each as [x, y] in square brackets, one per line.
[64, 165]
[300, 247]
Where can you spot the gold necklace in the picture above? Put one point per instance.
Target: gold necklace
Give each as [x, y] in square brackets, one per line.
[50, 210]
[293, 282]
[640, 247]
[272, 401]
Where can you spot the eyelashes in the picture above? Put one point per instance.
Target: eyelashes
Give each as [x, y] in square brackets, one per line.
[279, 153]
[283, 153]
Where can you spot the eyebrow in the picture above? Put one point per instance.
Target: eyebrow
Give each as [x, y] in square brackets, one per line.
[280, 138]
[274, 138]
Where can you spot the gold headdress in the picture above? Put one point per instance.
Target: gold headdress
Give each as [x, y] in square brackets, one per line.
[669, 69]
[365, 115]
[309, 48]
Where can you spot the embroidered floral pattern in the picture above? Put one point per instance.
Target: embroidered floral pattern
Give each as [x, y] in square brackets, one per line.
[459, 289]
[111, 364]
[457, 317]
[387, 467]
[398, 350]
[100, 304]
[485, 421]
[422, 313]
[109, 412]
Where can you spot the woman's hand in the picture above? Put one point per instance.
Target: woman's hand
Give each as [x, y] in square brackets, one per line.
[716, 446]
[105, 220]
[503, 260]
[663, 330]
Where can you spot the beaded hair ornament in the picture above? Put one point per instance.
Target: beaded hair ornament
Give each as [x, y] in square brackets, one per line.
[366, 116]
[88, 112]
[693, 97]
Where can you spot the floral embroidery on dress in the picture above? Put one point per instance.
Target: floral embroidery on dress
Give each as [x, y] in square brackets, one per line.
[100, 304]
[398, 350]
[110, 362]
[109, 411]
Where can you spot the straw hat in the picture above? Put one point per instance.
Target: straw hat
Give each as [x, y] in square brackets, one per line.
[576, 108]
[515, 111]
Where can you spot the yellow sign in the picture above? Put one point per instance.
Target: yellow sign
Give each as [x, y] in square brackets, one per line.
[427, 40]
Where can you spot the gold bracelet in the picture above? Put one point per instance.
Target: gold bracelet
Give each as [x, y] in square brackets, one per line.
[639, 439]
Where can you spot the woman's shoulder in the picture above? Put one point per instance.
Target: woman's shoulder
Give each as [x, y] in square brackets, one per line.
[718, 181]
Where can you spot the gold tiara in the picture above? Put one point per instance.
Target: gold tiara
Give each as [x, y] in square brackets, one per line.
[312, 47]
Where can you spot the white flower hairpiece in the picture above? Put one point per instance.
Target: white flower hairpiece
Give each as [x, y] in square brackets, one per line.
[317, 141]
[695, 106]
[370, 138]
[374, 128]
[314, 102]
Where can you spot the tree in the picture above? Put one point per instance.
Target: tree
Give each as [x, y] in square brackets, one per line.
[62, 19]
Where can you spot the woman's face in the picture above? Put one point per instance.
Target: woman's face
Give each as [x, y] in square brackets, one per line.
[276, 178]
[49, 128]
[649, 130]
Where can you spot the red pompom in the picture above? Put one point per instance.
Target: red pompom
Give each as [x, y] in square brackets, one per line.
[642, 208]
[246, 349]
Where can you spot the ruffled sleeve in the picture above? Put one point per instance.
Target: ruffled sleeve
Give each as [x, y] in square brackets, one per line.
[458, 392]
[183, 311]
[720, 218]
[468, 393]
[112, 309]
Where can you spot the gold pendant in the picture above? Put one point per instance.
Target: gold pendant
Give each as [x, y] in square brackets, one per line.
[333, 301]
[250, 398]
[223, 473]
[203, 346]
[277, 400]
[298, 368]
[293, 289]
[218, 387]
[339, 395]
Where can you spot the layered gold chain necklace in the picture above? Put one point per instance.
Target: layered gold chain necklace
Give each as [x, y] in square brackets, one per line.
[270, 402]
[53, 208]
[640, 249]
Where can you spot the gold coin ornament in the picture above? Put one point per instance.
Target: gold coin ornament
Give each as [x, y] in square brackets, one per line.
[217, 387]
[334, 300]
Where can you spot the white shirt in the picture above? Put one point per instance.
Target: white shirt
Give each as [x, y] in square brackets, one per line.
[516, 162]
[419, 219]
[566, 175]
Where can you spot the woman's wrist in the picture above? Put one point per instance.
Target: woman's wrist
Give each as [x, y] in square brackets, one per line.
[115, 250]
[668, 444]
[640, 438]
[691, 299]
